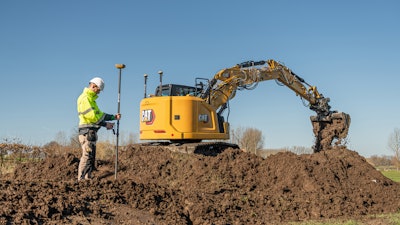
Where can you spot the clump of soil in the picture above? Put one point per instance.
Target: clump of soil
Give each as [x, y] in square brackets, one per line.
[157, 186]
[334, 130]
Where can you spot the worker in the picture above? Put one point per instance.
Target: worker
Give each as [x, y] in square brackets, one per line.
[91, 119]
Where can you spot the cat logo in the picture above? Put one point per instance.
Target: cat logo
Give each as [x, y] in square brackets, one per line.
[148, 116]
[203, 118]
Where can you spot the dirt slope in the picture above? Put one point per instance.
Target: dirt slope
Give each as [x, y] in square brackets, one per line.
[155, 186]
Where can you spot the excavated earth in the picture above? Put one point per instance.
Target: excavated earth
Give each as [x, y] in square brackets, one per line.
[157, 186]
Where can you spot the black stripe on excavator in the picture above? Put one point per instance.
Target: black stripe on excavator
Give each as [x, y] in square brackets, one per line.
[298, 78]
[251, 63]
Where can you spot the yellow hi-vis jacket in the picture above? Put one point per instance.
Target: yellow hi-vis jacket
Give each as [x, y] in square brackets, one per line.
[90, 116]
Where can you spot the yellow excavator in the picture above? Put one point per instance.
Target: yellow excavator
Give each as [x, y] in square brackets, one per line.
[182, 117]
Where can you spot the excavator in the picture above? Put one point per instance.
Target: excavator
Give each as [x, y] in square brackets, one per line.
[190, 118]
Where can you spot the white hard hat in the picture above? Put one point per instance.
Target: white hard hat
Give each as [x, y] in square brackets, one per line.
[99, 82]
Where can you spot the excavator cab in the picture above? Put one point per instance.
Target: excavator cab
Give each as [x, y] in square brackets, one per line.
[175, 90]
[176, 114]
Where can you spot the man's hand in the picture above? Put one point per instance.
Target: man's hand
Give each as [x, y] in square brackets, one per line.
[117, 116]
[109, 126]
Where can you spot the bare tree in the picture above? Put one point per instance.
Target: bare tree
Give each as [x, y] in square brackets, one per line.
[394, 145]
[61, 138]
[131, 139]
[383, 160]
[236, 135]
[74, 139]
[249, 139]
[53, 148]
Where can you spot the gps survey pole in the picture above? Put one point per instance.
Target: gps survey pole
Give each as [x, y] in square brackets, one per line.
[120, 67]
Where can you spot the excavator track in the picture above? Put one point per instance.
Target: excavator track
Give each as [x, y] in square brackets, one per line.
[202, 148]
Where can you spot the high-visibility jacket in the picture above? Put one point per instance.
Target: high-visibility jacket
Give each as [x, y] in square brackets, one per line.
[89, 113]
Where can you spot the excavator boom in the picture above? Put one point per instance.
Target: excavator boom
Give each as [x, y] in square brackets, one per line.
[327, 125]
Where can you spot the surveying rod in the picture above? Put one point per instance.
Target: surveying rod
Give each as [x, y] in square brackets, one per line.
[120, 67]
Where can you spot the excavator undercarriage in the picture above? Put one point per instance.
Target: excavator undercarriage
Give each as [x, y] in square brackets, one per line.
[201, 148]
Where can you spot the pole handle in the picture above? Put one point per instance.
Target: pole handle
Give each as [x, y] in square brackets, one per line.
[119, 66]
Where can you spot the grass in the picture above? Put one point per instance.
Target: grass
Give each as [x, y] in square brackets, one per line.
[330, 222]
[393, 218]
[392, 174]
[387, 219]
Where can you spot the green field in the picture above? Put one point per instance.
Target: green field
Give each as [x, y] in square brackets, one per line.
[387, 219]
[392, 174]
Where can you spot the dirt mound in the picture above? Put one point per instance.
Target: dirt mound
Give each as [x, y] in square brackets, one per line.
[155, 186]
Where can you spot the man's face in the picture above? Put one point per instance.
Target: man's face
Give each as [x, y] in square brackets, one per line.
[95, 88]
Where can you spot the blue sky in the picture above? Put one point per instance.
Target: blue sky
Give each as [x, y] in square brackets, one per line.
[350, 50]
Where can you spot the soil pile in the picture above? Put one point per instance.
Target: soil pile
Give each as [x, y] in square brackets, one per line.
[156, 186]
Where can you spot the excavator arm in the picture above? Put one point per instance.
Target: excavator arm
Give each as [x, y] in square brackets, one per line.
[328, 125]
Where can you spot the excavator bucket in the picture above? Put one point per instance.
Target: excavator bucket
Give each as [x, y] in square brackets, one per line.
[326, 129]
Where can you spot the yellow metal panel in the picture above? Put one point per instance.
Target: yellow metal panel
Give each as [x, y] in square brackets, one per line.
[179, 117]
